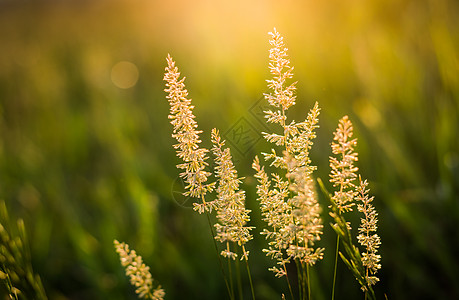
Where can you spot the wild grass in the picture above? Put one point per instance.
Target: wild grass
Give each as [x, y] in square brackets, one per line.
[78, 153]
[16, 272]
[287, 195]
[138, 273]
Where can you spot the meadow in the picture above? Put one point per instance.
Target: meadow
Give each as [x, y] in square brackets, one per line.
[86, 151]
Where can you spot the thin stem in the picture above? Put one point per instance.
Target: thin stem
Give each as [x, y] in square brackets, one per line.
[288, 282]
[218, 254]
[366, 277]
[239, 282]
[309, 282]
[300, 281]
[305, 280]
[248, 272]
[230, 274]
[336, 264]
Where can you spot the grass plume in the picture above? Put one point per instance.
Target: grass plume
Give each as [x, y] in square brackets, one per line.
[288, 200]
[367, 233]
[186, 133]
[231, 212]
[363, 264]
[138, 273]
[343, 170]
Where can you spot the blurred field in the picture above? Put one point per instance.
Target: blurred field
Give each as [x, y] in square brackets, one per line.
[85, 146]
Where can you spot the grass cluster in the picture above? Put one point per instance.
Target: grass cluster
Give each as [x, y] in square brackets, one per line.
[17, 277]
[287, 196]
[83, 161]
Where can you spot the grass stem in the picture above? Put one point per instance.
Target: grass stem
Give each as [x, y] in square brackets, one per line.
[218, 256]
[231, 278]
[288, 282]
[239, 281]
[248, 272]
[334, 272]
[300, 281]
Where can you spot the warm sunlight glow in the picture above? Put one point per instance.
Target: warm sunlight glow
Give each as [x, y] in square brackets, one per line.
[124, 74]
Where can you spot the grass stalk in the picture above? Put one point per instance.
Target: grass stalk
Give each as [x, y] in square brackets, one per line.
[248, 272]
[334, 272]
[309, 281]
[231, 278]
[300, 281]
[239, 281]
[218, 256]
[288, 283]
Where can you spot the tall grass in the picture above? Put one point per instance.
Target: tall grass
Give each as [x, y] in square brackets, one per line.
[17, 277]
[287, 196]
[77, 152]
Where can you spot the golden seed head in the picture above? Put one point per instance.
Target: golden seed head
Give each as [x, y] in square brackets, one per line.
[288, 205]
[186, 133]
[232, 215]
[367, 236]
[343, 170]
[138, 273]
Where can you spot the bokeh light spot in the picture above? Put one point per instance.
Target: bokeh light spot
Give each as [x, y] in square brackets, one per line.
[124, 74]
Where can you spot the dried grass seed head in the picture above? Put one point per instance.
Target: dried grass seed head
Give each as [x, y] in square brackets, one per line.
[288, 206]
[367, 232]
[230, 203]
[343, 170]
[186, 133]
[279, 65]
[138, 273]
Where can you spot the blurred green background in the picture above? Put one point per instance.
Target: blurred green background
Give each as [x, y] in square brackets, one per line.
[85, 145]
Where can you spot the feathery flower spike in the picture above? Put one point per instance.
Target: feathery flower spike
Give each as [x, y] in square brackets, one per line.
[283, 97]
[343, 171]
[186, 133]
[289, 206]
[306, 215]
[138, 272]
[230, 204]
[367, 236]
[274, 210]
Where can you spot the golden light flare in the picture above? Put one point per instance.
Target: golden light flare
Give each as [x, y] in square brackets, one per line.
[124, 74]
